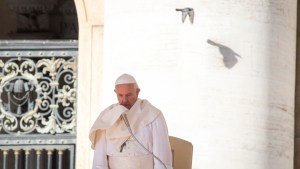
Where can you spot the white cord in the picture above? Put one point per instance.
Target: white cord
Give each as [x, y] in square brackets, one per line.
[124, 117]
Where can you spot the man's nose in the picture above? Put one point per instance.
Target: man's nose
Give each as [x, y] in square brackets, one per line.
[124, 99]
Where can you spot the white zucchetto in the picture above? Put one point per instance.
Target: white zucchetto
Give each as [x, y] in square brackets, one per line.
[125, 79]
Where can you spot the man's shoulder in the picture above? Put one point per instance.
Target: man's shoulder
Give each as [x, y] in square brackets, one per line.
[107, 109]
[146, 105]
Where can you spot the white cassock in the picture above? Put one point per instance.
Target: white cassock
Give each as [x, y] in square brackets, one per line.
[116, 149]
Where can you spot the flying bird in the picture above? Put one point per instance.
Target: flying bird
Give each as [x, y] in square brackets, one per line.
[185, 12]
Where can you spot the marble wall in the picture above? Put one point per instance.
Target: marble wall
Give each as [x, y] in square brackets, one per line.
[226, 82]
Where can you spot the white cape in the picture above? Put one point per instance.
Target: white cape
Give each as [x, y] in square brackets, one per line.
[141, 114]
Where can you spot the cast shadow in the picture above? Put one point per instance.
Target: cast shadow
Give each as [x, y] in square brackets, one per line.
[230, 58]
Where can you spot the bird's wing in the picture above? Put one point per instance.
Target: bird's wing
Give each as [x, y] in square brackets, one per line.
[184, 14]
[191, 15]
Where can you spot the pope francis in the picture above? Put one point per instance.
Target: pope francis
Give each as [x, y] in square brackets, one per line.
[131, 134]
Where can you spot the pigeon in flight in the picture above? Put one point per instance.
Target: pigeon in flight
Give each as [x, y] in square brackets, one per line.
[185, 12]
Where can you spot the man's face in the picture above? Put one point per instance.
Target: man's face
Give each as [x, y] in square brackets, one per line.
[127, 94]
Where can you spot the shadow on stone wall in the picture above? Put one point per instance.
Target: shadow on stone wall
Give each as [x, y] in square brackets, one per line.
[230, 58]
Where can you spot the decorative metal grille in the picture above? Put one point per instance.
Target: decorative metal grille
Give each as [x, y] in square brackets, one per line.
[37, 92]
[37, 157]
[38, 104]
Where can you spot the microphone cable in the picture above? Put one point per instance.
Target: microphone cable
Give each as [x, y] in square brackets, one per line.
[124, 117]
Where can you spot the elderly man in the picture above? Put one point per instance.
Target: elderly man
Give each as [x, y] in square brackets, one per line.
[131, 134]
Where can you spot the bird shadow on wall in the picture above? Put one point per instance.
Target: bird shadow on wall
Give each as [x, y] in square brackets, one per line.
[230, 58]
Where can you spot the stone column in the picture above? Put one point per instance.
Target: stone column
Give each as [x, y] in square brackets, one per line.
[90, 15]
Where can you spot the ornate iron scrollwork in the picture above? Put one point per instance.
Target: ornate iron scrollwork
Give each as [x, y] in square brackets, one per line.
[38, 95]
